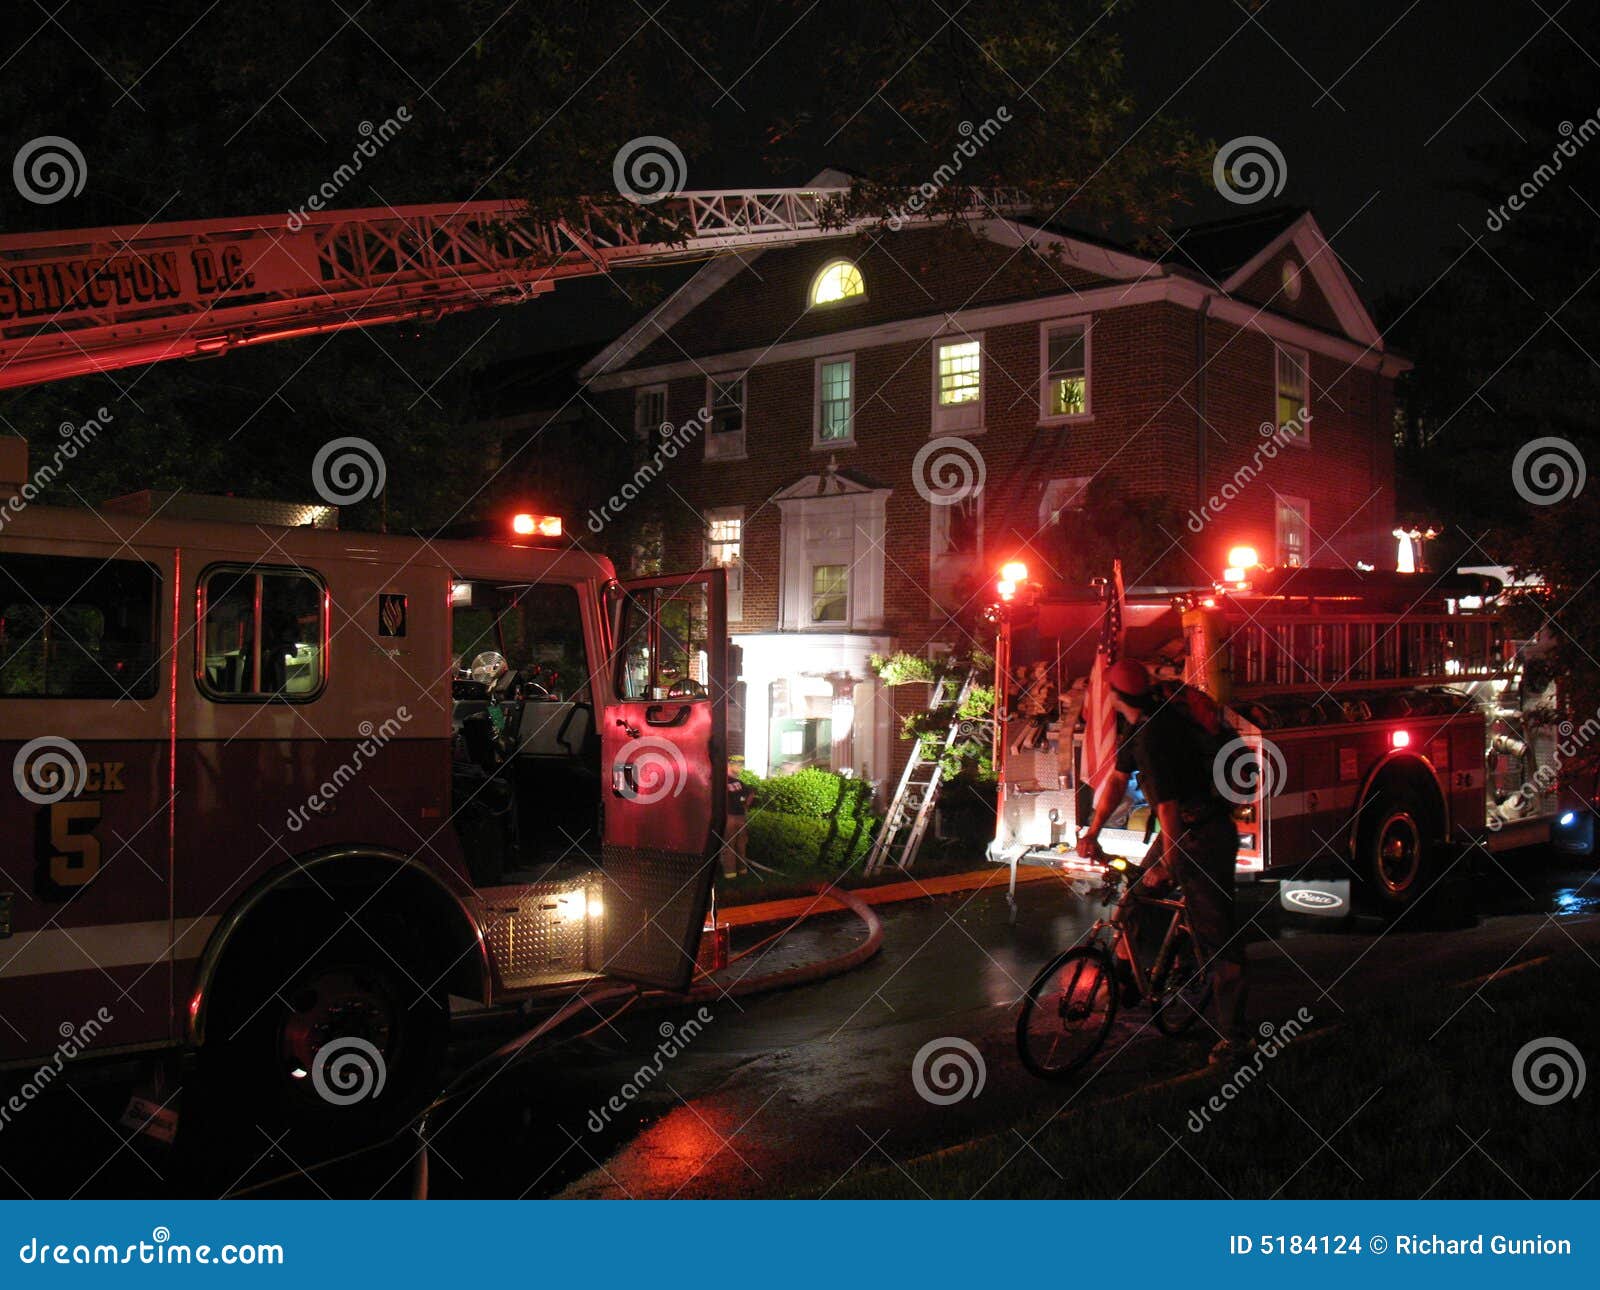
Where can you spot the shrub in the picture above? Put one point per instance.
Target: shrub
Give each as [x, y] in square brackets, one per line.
[800, 842]
[813, 793]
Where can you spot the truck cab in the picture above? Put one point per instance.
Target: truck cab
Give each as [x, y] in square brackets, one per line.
[280, 791]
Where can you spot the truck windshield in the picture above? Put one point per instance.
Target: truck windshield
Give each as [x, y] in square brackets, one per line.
[532, 630]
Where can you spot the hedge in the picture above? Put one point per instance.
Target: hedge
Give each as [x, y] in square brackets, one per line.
[797, 842]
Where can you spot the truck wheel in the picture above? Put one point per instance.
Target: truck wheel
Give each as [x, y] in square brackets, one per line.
[1392, 847]
[328, 1038]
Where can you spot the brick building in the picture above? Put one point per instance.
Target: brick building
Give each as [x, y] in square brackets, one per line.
[890, 417]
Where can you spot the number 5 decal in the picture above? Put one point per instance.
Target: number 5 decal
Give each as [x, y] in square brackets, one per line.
[75, 854]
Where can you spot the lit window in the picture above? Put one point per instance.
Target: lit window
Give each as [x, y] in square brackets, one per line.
[959, 373]
[1066, 371]
[839, 280]
[835, 400]
[1294, 531]
[649, 411]
[725, 548]
[829, 593]
[1293, 395]
[725, 399]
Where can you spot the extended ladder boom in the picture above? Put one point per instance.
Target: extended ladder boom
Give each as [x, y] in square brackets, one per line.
[94, 300]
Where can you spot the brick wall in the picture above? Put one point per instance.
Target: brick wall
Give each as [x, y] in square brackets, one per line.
[1145, 428]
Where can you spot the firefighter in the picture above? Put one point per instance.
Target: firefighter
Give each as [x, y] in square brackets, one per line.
[1173, 756]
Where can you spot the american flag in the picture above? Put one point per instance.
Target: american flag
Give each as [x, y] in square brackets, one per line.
[1100, 718]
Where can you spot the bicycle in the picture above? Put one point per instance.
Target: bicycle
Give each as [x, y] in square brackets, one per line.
[1071, 1005]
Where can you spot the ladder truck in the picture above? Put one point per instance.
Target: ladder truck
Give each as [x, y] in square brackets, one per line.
[1376, 717]
[238, 736]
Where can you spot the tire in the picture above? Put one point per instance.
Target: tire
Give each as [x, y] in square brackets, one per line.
[1185, 994]
[335, 1040]
[1393, 843]
[1067, 1013]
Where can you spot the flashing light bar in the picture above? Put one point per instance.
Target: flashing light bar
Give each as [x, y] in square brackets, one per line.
[525, 524]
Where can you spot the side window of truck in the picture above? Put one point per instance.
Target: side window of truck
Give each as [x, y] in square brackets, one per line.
[263, 634]
[77, 628]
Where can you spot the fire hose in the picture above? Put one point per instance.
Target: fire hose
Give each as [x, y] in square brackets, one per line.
[505, 1056]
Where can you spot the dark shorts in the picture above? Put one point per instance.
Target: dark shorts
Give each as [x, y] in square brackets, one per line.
[1205, 853]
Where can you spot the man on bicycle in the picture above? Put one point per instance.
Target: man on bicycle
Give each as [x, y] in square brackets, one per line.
[1199, 840]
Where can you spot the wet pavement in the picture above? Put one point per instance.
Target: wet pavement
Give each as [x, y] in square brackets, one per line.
[788, 1093]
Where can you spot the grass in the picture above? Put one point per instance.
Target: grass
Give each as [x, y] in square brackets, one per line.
[1412, 1098]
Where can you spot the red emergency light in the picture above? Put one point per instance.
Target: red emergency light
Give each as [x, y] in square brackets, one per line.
[1012, 575]
[1400, 739]
[526, 524]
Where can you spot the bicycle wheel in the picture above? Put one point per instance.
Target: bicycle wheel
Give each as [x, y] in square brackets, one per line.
[1184, 992]
[1067, 1012]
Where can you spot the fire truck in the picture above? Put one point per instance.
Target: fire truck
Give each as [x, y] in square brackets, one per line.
[1375, 716]
[280, 789]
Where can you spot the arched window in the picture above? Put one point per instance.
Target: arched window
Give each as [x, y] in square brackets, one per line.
[837, 280]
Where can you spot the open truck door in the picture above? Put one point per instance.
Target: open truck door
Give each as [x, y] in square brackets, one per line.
[664, 774]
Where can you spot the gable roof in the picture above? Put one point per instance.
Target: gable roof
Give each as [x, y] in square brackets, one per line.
[1223, 253]
[1219, 248]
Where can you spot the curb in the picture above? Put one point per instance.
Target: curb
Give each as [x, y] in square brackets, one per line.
[777, 911]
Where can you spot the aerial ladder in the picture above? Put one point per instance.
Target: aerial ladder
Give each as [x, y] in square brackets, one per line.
[94, 300]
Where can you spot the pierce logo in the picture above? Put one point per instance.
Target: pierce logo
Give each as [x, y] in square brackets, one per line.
[1310, 898]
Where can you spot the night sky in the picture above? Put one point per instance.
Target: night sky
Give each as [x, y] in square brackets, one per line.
[1374, 105]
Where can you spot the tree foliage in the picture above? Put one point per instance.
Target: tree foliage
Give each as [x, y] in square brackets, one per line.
[189, 111]
[1505, 355]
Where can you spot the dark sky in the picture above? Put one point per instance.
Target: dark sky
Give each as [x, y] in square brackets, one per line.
[1373, 105]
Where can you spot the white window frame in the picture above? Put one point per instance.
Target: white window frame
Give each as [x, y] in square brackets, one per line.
[1047, 417]
[645, 430]
[1303, 506]
[1279, 352]
[718, 560]
[817, 441]
[939, 518]
[959, 418]
[837, 624]
[811, 289]
[1072, 487]
[724, 446]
